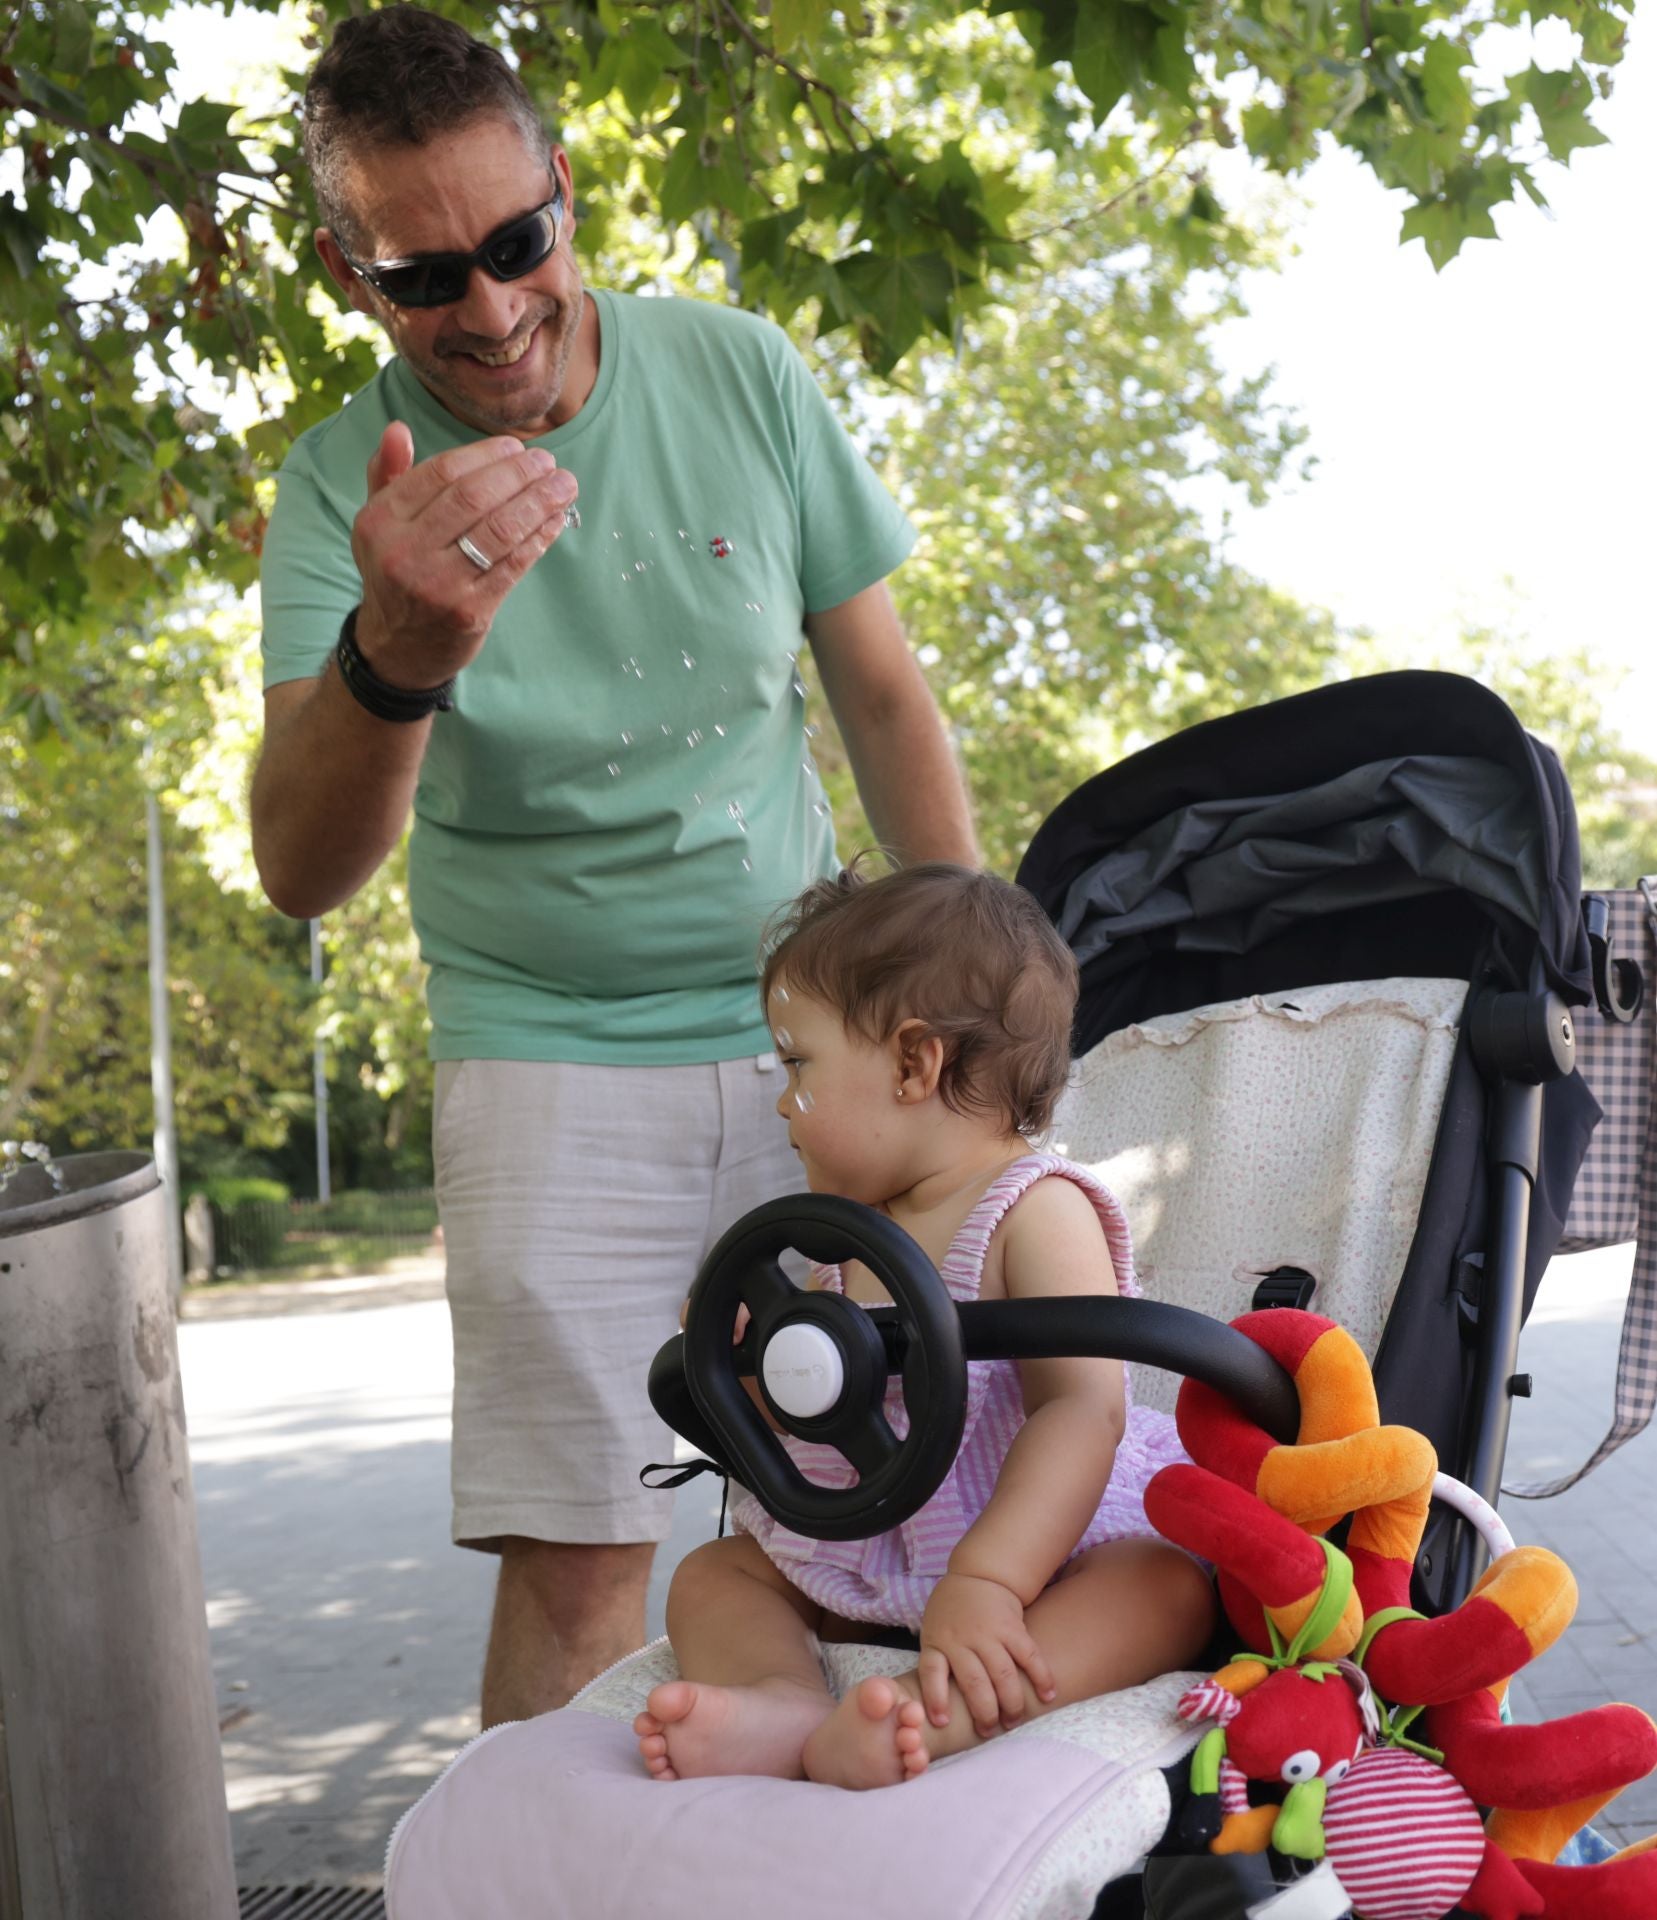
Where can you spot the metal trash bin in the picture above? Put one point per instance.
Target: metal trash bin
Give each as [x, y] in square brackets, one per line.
[112, 1803]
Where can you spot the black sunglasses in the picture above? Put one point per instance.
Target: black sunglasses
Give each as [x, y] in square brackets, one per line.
[439, 279]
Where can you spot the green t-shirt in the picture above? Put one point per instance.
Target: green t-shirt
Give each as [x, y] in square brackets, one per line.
[625, 791]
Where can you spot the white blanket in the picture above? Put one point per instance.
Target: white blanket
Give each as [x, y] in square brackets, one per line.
[1289, 1129]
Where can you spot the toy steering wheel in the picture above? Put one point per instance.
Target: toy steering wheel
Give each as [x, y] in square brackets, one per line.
[822, 1365]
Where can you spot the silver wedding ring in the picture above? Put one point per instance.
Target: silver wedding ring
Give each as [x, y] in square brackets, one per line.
[475, 554]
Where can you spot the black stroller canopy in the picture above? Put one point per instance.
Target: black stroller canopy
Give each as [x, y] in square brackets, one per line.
[1393, 825]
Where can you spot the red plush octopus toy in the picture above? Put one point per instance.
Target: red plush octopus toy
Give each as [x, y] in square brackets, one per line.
[1341, 1665]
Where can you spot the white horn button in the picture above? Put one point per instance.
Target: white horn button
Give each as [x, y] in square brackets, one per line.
[803, 1370]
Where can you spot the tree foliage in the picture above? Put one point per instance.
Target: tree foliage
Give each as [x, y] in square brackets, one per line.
[866, 166]
[1066, 595]
[74, 992]
[994, 232]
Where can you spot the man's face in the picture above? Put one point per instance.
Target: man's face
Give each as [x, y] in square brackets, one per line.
[447, 197]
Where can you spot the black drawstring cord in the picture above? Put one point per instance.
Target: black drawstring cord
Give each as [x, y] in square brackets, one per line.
[677, 1476]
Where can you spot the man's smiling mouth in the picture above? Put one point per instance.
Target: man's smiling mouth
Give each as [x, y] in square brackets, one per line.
[511, 356]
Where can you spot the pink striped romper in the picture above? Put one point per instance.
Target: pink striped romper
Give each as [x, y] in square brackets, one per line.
[890, 1578]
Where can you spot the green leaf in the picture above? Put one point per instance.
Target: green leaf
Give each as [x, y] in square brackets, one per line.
[1444, 87]
[765, 242]
[649, 65]
[684, 183]
[204, 123]
[1441, 226]
[71, 37]
[897, 299]
[1113, 44]
[1561, 101]
[1419, 159]
[797, 23]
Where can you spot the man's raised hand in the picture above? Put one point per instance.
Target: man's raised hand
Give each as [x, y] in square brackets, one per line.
[427, 607]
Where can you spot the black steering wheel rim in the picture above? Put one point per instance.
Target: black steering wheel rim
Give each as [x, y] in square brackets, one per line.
[897, 1475]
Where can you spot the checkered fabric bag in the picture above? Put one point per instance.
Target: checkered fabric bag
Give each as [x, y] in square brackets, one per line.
[1615, 1197]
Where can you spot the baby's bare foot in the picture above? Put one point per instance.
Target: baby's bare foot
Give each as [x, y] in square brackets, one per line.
[874, 1738]
[689, 1729]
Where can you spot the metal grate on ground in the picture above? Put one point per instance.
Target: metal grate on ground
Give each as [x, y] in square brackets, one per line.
[310, 1903]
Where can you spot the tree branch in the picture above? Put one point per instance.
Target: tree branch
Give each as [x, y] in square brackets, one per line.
[1109, 206]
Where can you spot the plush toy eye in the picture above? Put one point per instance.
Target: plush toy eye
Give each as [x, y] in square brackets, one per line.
[1300, 1766]
[1338, 1771]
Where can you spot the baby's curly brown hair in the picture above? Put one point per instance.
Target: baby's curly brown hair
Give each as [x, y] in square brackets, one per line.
[970, 956]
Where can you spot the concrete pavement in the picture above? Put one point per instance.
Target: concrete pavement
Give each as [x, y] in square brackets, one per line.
[347, 1633]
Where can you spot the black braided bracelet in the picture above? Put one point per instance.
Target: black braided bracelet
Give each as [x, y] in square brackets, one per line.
[368, 690]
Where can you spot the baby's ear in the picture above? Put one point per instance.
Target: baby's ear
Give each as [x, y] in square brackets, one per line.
[920, 1060]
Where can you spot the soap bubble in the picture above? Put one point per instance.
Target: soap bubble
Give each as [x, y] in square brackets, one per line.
[614, 769]
[688, 658]
[804, 1101]
[694, 737]
[626, 738]
[572, 519]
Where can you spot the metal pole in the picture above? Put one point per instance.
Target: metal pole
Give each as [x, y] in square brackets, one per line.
[324, 1189]
[161, 1051]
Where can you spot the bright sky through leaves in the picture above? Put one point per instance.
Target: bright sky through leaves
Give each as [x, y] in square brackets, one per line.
[1493, 422]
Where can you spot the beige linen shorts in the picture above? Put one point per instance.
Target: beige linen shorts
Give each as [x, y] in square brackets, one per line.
[577, 1203]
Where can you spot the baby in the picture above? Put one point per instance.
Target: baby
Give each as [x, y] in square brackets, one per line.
[924, 1020]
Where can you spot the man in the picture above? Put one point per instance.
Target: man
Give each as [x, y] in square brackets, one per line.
[595, 717]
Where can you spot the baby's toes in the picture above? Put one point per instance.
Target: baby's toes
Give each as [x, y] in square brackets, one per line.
[914, 1760]
[876, 1697]
[646, 1724]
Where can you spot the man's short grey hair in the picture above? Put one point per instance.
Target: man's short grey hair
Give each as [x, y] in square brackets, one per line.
[400, 76]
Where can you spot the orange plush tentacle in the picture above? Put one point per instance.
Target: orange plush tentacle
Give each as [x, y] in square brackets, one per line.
[1521, 1604]
[1539, 1833]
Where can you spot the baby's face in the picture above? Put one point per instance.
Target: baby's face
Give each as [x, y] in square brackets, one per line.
[841, 1097]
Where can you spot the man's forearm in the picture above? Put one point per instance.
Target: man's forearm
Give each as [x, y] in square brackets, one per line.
[331, 793]
[908, 779]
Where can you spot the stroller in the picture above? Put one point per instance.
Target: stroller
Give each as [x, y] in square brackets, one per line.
[1362, 985]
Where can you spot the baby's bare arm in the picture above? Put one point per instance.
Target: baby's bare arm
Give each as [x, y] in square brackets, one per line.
[1058, 1467]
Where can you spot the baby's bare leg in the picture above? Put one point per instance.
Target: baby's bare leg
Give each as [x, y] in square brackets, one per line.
[1126, 1612]
[753, 1689]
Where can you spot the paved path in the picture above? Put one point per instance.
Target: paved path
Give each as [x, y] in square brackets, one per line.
[347, 1632]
